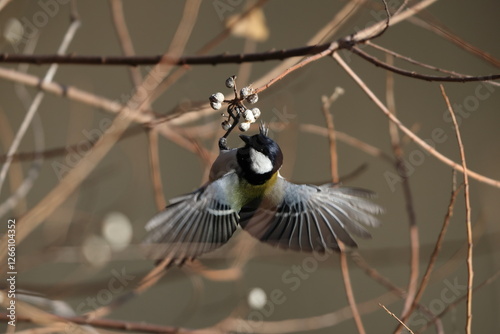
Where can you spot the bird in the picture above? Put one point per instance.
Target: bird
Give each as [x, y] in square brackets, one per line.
[246, 191]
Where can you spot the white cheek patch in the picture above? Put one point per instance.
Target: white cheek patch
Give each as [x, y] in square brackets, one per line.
[260, 163]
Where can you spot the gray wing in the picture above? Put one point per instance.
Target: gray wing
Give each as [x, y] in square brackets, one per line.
[193, 224]
[310, 218]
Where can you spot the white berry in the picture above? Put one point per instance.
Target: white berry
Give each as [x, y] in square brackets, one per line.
[226, 125]
[256, 112]
[216, 105]
[230, 82]
[252, 98]
[248, 116]
[244, 126]
[245, 91]
[217, 97]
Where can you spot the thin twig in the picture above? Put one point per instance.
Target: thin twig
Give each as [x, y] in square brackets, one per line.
[412, 220]
[101, 323]
[419, 63]
[326, 104]
[68, 37]
[135, 74]
[420, 76]
[470, 269]
[348, 288]
[408, 132]
[439, 29]
[334, 171]
[437, 247]
[396, 317]
[154, 161]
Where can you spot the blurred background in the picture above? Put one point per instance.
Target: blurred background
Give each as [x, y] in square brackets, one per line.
[87, 252]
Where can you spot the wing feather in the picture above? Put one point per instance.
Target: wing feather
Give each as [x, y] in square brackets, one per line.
[195, 223]
[310, 218]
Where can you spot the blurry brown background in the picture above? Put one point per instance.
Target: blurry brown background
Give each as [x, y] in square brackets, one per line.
[70, 258]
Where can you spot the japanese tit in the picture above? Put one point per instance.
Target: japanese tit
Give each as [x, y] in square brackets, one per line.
[245, 189]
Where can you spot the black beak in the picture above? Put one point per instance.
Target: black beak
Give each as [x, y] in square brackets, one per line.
[246, 139]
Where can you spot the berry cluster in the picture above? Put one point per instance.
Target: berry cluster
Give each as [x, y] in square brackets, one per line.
[236, 109]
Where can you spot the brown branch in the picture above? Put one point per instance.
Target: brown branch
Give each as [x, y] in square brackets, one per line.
[103, 323]
[437, 247]
[37, 100]
[416, 75]
[154, 161]
[348, 288]
[432, 24]
[419, 63]
[396, 317]
[470, 270]
[154, 60]
[327, 101]
[135, 74]
[408, 196]
[326, 104]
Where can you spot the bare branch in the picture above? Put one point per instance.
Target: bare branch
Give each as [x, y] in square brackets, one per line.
[470, 270]
[425, 77]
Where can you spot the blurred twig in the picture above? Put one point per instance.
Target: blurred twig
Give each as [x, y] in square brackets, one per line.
[438, 28]
[437, 247]
[101, 323]
[348, 288]
[408, 196]
[327, 101]
[37, 100]
[135, 74]
[326, 104]
[470, 270]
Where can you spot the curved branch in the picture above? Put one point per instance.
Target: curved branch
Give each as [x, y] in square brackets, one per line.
[416, 75]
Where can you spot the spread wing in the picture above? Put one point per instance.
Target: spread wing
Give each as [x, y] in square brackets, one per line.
[193, 224]
[310, 218]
